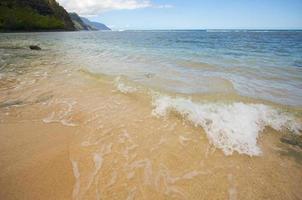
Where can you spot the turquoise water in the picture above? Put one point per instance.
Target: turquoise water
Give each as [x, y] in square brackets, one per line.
[264, 65]
[159, 114]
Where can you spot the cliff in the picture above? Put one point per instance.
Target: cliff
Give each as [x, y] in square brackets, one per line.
[84, 24]
[79, 24]
[95, 25]
[33, 15]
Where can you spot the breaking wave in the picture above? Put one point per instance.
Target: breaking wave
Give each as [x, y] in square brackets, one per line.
[230, 127]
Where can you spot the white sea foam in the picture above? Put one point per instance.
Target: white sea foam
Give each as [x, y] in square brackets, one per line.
[122, 87]
[230, 127]
[76, 172]
[63, 115]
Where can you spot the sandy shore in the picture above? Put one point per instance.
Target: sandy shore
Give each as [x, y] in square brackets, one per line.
[35, 161]
[79, 137]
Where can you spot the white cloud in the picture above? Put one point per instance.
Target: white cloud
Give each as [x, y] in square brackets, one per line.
[94, 7]
[163, 6]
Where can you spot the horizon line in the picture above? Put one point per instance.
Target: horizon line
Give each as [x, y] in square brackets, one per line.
[206, 29]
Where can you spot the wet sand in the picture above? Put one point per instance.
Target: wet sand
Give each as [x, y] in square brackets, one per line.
[70, 135]
[35, 161]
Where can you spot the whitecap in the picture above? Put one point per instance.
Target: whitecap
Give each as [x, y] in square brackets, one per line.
[229, 127]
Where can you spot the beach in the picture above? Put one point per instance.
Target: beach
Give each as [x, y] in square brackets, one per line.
[120, 116]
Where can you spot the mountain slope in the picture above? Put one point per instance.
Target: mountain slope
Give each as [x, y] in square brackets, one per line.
[79, 24]
[96, 25]
[31, 15]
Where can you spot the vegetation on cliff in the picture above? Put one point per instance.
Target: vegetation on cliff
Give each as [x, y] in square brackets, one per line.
[29, 15]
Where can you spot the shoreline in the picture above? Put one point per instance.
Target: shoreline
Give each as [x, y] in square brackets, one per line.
[106, 143]
[149, 116]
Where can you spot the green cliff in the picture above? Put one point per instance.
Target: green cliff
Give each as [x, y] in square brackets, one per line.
[33, 15]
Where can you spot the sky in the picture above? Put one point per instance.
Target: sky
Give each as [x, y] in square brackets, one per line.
[190, 14]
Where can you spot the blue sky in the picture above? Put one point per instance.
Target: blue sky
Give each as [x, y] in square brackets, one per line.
[193, 14]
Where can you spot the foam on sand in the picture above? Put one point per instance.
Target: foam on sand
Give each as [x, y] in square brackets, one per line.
[77, 175]
[123, 87]
[230, 127]
[62, 112]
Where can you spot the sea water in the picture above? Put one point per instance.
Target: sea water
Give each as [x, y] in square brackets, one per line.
[148, 109]
[261, 66]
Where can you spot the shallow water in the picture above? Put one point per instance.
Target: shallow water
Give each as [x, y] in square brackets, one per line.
[150, 115]
[266, 65]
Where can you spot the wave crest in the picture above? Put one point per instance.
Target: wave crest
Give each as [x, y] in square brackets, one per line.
[230, 127]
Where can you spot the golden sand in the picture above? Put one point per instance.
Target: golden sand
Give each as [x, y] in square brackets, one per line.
[74, 136]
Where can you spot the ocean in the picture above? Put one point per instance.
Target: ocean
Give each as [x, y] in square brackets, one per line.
[160, 114]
